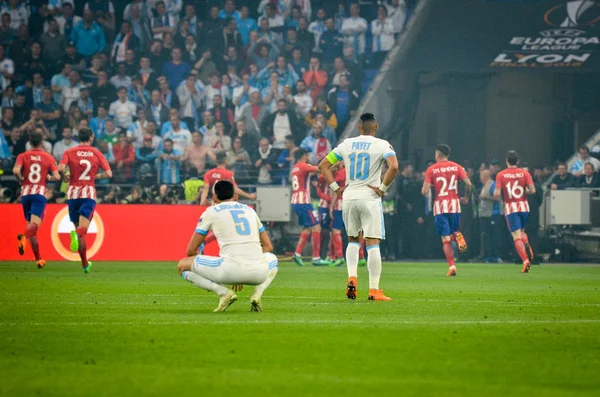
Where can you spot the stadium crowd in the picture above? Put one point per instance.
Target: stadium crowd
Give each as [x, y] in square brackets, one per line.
[166, 85]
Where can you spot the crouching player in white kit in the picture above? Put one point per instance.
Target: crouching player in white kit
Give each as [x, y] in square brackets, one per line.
[245, 250]
[362, 210]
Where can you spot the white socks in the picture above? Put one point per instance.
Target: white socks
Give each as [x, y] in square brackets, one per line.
[203, 283]
[352, 259]
[258, 291]
[374, 265]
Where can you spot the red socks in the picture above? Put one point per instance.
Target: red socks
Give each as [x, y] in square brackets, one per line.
[302, 243]
[524, 237]
[449, 252]
[337, 245]
[316, 245]
[81, 232]
[30, 233]
[521, 250]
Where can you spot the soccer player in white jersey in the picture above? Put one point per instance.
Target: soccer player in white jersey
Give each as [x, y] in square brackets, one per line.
[246, 256]
[362, 210]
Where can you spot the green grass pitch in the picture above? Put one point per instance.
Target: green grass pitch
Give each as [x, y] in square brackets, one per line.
[138, 329]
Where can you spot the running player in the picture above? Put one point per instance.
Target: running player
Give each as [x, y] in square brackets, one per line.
[337, 222]
[246, 256]
[221, 173]
[362, 210]
[302, 206]
[514, 183]
[444, 176]
[31, 170]
[83, 162]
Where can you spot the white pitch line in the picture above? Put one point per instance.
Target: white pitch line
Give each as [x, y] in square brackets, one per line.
[341, 322]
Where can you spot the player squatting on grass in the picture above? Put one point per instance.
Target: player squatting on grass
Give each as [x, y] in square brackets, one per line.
[362, 210]
[246, 256]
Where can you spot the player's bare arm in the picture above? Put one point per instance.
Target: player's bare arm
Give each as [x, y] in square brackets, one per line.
[426, 188]
[325, 168]
[55, 177]
[265, 242]
[17, 172]
[107, 174]
[194, 244]
[240, 192]
[388, 178]
[530, 189]
[468, 187]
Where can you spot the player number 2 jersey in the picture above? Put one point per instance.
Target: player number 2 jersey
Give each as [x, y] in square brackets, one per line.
[35, 166]
[84, 163]
[513, 182]
[237, 229]
[363, 157]
[301, 182]
[444, 176]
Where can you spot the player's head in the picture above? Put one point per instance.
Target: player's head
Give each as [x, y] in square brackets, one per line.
[301, 155]
[224, 191]
[86, 136]
[442, 152]
[367, 124]
[221, 158]
[35, 139]
[512, 158]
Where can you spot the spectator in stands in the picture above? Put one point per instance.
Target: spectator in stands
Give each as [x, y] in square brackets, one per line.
[65, 143]
[303, 100]
[584, 158]
[245, 24]
[90, 75]
[46, 146]
[70, 92]
[315, 78]
[176, 70]
[137, 129]
[73, 118]
[54, 45]
[229, 11]
[146, 154]
[210, 91]
[148, 75]
[316, 144]
[280, 124]
[192, 20]
[88, 36]
[287, 74]
[263, 52]
[6, 156]
[104, 12]
[249, 138]
[206, 66]
[111, 134]
[230, 37]
[212, 27]
[7, 33]
[170, 163]
[276, 22]
[71, 56]
[103, 92]
[152, 132]
[222, 114]
[124, 41]
[298, 63]
[84, 103]
[8, 97]
[317, 27]
[50, 111]
[383, 32]
[352, 64]
[238, 159]
[331, 44]
[339, 69]
[138, 14]
[121, 79]
[166, 127]
[354, 29]
[162, 23]
[218, 141]
[7, 69]
[292, 43]
[195, 156]
[181, 138]
[21, 46]
[137, 93]
[322, 108]
[8, 120]
[122, 110]
[67, 21]
[286, 160]
[241, 94]
[190, 100]
[16, 142]
[156, 111]
[344, 102]
[264, 162]
[304, 35]
[22, 111]
[124, 157]
[168, 97]
[562, 180]
[98, 123]
[396, 10]
[328, 132]
[273, 92]
[589, 178]
[254, 114]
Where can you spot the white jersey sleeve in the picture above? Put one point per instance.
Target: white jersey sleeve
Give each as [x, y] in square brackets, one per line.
[363, 157]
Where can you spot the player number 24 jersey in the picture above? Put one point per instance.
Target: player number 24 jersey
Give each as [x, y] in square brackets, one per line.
[444, 176]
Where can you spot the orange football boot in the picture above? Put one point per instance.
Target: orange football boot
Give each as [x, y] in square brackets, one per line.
[22, 243]
[351, 288]
[40, 264]
[529, 251]
[461, 242]
[378, 295]
[526, 267]
[451, 271]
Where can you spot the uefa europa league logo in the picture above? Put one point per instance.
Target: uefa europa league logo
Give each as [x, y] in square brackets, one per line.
[575, 9]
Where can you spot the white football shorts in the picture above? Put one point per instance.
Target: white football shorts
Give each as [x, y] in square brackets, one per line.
[365, 216]
[225, 271]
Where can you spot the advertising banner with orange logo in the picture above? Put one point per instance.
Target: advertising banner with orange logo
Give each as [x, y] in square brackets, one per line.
[117, 233]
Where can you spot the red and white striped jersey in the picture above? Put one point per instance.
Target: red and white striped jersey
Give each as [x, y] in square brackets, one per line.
[301, 182]
[35, 165]
[83, 162]
[444, 177]
[324, 193]
[340, 178]
[513, 182]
